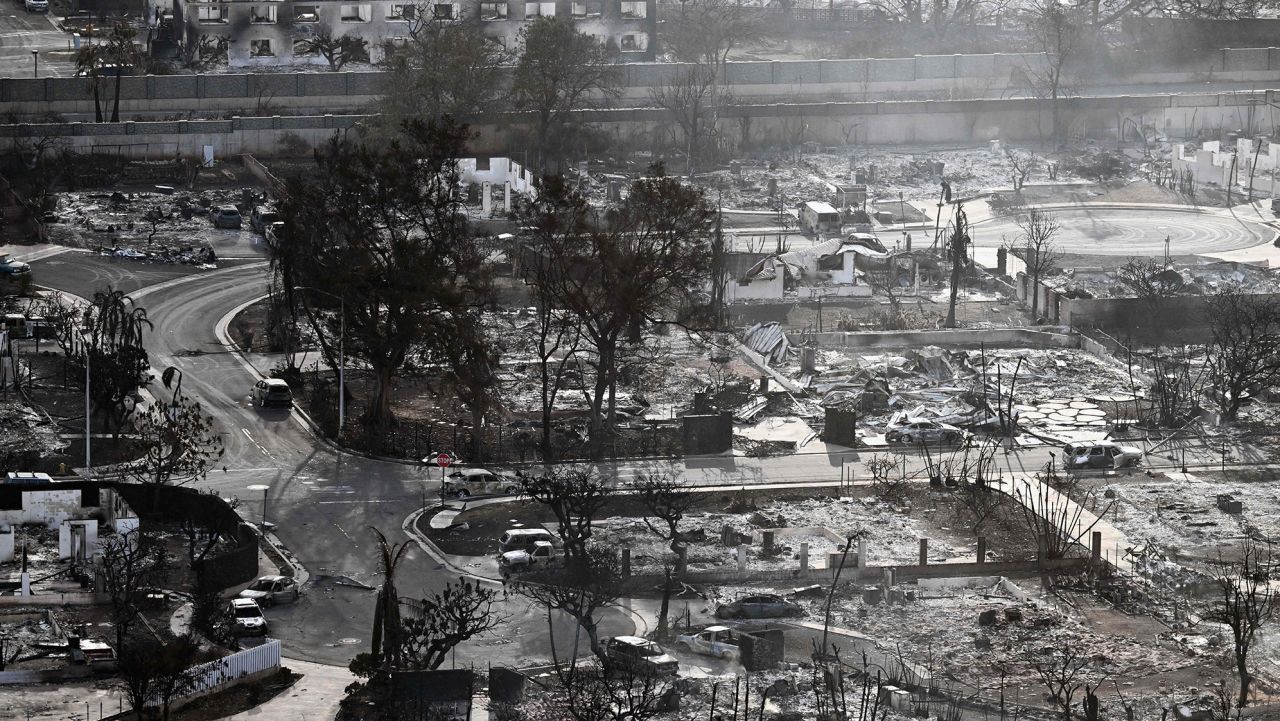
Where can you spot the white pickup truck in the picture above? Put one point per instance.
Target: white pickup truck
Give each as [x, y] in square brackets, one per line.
[718, 641]
[539, 554]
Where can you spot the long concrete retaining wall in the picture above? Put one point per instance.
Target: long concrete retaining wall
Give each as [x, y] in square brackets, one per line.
[960, 337]
[884, 123]
[938, 76]
[902, 573]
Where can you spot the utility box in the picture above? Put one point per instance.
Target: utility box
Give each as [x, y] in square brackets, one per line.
[704, 434]
[841, 427]
[1227, 503]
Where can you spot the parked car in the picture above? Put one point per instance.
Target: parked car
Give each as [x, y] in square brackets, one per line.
[718, 641]
[539, 554]
[36, 6]
[13, 268]
[270, 590]
[467, 482]
[261, 218]
[918, 431]
[640, 656]
[271, 392]
[520, 539]
[1101, 454]
[766, 605]
[246, 617]
[226, 216]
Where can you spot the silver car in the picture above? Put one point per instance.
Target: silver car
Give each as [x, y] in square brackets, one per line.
[916, 431]
[270, 590]
[1101, 454]
[226, 216]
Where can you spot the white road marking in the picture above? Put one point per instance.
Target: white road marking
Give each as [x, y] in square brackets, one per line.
[344, 532]
[245, 431]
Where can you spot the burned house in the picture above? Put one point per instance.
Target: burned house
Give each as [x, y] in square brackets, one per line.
[835, 267]
[753, 276]
[273, 33]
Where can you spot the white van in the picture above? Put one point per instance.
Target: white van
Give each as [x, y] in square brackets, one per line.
[519, 539]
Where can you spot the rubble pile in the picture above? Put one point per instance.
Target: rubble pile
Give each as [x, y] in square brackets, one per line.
[29, 434]
[161, 226]
[676, 364]
[974, 634]
[1184, 516]
[1056, 391]
[1201, 279]
[892, 535]
[892, 177]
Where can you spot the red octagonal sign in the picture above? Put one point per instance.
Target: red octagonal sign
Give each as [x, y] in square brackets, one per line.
[443, 460]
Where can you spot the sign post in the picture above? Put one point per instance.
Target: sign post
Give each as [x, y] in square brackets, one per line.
[443, 460]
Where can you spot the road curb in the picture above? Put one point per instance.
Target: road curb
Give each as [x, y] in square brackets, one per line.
[410, 528]
[299, 415]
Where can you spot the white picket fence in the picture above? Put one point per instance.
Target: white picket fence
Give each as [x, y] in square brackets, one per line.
[225, 671]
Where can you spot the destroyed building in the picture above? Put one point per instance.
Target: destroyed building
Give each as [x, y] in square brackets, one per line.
[1171, 300]
[272, 33]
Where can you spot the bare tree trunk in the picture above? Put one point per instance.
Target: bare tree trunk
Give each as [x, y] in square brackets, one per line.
[115, 105]
[378, 415]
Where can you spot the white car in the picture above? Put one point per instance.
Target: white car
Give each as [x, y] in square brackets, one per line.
[479, 482]
[271, 392]
[1100, 454]
[246, 617]
[540, 553]
[270, 590]
[718, 641]
[36, 6]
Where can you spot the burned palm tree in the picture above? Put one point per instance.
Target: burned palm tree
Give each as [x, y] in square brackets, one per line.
[386, 615]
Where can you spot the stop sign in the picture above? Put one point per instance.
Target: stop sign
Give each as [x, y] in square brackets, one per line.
[443, 460]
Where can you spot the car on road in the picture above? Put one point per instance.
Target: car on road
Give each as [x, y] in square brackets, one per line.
[467, 482]
[540, 553]
[246, 617]
[521, 539]
[271, 392]
[764, 605]
[13, 268]
[921, 431]
[718, 641]
[36, 6]
[640, 656]
[270, 590]
[226, 216]
[261, 218]
[1101, 454]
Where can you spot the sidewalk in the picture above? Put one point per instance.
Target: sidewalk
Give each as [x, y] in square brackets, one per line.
[314, 697]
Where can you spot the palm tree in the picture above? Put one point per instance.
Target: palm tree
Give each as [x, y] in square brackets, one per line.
[123, 53]
[386, 616]
[89, 62]
[116, 52]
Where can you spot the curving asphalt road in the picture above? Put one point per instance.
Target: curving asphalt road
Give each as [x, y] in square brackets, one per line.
[322, 501]
[1124, 232]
